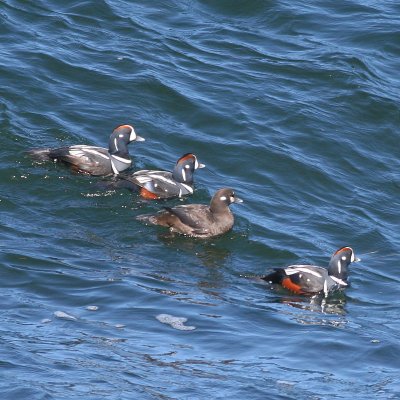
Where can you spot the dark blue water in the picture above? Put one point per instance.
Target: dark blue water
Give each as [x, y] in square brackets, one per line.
[295, 106]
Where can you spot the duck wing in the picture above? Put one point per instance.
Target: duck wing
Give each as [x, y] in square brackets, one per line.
[84, 157]
[160, 183]
[310, 278]
[194, 216]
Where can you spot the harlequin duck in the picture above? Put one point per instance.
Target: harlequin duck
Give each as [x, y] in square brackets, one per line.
[162, 184]
[310, 279]
[198, 220]
[94, 160]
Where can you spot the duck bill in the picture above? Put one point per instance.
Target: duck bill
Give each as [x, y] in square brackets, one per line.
[140, 139]
[197, 165]
[238, 200]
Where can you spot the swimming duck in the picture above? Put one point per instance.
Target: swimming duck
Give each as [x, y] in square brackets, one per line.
[93, 160]
[311, 279]
[162, 184]
[198, 220]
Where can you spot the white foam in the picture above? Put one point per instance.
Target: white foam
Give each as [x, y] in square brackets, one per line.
[63, 315]
[175, 322]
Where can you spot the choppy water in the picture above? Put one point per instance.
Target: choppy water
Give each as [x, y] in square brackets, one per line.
[294, 105]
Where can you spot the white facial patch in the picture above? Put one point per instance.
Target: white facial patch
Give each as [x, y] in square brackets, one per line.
[133, 134]
[222, 198]
[121, 135]
[343, 258]
[339, 265]
[187, 166]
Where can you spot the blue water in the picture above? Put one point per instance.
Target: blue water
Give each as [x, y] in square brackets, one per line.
[295, 106]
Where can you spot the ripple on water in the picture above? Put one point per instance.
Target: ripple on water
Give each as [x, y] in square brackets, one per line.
[293, 105]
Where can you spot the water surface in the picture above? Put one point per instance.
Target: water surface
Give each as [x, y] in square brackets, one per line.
[295, 106]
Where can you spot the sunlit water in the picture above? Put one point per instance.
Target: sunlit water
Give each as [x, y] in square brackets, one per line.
[294, 106]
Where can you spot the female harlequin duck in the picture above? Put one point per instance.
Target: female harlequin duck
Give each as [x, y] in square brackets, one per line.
[163, 184]
[198, 220]
[94, 160]
[310, 279]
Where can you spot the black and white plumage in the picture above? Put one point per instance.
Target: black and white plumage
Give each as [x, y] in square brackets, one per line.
[311, 279]
[198, 220]
[162, 184]
[94, 160]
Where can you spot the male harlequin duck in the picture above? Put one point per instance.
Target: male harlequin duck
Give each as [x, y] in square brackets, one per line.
[94, 160]
[198, 220]
[310, 279]
[163, 184]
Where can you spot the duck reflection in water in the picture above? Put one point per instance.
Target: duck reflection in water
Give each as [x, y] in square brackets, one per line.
[214, 256]
[333, 304]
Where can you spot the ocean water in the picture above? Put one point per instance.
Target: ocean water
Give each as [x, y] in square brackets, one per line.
[294, 105]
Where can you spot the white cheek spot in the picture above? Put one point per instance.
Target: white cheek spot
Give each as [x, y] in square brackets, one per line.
[187, 166]
[156, 184]
[121, 135]
[343, 258]
[300, 275]
[223, 198]
[308, 279]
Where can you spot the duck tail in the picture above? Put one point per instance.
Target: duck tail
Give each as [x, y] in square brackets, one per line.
[147, 219]
[39, 154]
[274, 277]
